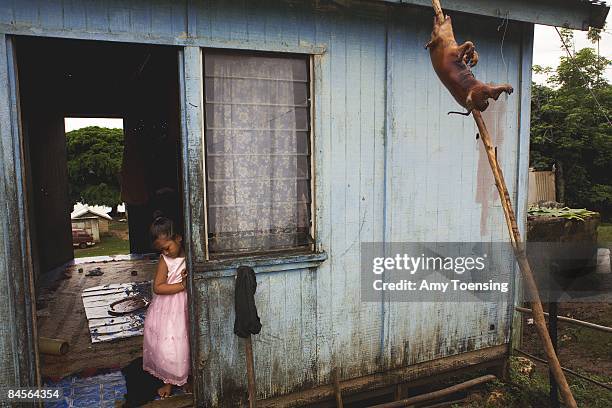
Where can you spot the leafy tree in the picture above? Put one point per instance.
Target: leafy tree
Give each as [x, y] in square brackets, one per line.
[94, 162]
[570, 127]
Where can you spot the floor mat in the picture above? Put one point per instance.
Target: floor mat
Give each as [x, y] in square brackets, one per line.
[106, 327]
[97, 391]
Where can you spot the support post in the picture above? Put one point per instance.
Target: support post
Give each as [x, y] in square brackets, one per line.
[552, 331]
[250, 372]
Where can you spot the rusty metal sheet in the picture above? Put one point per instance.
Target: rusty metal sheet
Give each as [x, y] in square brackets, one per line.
[103, 326]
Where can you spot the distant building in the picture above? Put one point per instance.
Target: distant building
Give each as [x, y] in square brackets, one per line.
[90, 219]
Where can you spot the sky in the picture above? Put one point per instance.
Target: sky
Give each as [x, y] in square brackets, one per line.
[77, 123]
[546, 52]
[547, 47]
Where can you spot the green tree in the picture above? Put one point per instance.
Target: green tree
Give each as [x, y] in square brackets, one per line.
[570, 127]
[94, 162]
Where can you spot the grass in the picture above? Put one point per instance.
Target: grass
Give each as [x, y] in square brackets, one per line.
[526, 389]
[110, 243]
[604, 235]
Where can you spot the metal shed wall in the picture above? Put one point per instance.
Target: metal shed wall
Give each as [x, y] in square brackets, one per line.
[389, 165]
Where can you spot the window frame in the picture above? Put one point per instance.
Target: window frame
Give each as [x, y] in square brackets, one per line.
[270, 253]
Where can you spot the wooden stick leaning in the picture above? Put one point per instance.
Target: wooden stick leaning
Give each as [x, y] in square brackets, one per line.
[519, 250]
[521, 257]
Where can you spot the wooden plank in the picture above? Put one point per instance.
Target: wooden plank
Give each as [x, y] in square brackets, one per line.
[340, 326]
[96, 14]
[7, 12]
[140, 18]
[118, 17]
[308, 323]
[193, 157]
[9, 368]
[347, 313]
[371, 132]
[526, 58]
[276, 332]
[26, 13]
[163, 21]
[416, 373]
[264, 342]
[19, 366]
[75, 16]
[189, 65]
[323, 159]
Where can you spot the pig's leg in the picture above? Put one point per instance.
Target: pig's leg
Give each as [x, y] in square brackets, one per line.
[471, 58]
[434, 33]
[495, 91]
[465, 53]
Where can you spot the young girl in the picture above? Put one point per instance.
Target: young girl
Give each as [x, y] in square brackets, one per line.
[165, 351]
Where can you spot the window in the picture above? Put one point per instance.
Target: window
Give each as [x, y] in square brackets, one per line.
[257, 131]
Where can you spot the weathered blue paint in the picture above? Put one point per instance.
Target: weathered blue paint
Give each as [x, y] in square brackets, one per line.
[389, 165]
[19, 352]
[523, 167]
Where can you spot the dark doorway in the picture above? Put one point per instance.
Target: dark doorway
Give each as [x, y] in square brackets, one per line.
[69, 78]
[60, 79]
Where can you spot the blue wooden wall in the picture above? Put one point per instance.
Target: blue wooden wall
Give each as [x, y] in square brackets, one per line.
[389, 165]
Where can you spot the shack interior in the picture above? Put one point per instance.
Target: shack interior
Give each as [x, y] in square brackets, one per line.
[61, 78]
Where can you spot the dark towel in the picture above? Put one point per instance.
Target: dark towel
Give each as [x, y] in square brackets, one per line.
[247, 321]
[141, 386]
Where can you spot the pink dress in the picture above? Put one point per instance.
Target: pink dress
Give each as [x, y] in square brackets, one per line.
[165, 351]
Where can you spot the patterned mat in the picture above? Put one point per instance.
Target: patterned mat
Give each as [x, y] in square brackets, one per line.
[97, 391]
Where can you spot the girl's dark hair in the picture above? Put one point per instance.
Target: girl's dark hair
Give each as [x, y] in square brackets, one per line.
[163, 226]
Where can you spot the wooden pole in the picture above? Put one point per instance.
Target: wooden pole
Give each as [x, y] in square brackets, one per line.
[577, 322]
[519, 250]
[521, 257]
[437, 394]
[552, 332]
[337, 390]
[438, 11]
[250, 372]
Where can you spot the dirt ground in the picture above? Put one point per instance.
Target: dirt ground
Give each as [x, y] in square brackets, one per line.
[579, 348]
[60, 314]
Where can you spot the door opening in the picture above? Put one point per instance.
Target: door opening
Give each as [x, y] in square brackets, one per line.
[66, 81]
[94, 156]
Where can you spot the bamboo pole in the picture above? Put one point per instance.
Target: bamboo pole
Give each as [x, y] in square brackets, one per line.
[577, 322]
[521, 257]
[519, 250]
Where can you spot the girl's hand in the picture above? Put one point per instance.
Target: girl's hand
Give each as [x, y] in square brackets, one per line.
[184, 278]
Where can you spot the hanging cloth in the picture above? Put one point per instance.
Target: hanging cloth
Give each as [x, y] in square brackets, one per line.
[247, 321]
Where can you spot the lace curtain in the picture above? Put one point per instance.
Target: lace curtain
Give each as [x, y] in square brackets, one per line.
[257, 152]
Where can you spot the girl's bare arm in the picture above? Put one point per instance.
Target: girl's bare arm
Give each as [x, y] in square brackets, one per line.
[161, 285]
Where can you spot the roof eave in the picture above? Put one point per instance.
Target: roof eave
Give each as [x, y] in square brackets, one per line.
[575, 14]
